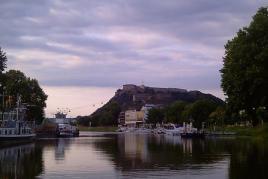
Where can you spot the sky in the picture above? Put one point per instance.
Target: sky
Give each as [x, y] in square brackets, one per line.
[82, 51]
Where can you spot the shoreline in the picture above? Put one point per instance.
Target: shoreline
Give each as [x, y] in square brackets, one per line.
[98, 129]
[240, 131]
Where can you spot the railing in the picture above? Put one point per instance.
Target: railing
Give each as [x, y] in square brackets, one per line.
[15, 131]
[8, 131]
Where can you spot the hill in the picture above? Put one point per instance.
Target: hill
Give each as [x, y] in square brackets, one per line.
[134, 97]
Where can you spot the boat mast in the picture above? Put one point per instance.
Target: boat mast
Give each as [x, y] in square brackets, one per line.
[17, 109]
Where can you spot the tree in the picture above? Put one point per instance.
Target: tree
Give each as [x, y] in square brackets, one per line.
[107, 117]
[173, 113]
[3, 61]
[30, 91]
[217, 116]
[155, 116]
[245, 69]
[262, 114]
[199, 111]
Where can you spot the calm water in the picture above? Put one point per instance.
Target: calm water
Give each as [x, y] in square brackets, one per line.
[135, 156]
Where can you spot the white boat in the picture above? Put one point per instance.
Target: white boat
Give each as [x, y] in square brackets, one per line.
[13, 126]
[67, 130]
[171, 129]
[65, 126]
[158, 130]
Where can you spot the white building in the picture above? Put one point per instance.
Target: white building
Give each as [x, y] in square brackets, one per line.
[133, 118]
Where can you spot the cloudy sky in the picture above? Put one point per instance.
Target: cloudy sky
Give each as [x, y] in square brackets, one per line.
[81, 51]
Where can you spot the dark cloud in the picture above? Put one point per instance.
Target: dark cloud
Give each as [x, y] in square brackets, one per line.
[107, 43]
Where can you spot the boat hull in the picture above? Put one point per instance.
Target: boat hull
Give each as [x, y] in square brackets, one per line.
[68, 134]
[17, 137]
[192, 135]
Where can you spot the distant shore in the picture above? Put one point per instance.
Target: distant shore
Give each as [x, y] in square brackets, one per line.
[98, 129]
[240, 131]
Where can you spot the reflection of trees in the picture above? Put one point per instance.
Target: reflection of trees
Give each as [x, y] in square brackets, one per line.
[132, 151]
[24, 161]
[249, 160]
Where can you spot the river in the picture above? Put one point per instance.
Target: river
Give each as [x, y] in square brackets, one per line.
[103, 155]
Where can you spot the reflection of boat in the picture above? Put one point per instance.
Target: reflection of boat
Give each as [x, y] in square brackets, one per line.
[21, 161]
[12, 152]
[123, 129]
[13, 125]
[132, 129]
[193, 135]
[190, 132]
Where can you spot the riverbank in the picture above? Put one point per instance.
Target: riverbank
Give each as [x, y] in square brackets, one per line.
[242, 131]
[98, 129]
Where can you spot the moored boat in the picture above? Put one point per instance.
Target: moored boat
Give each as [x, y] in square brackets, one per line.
[190, 132]
[13, 125]
[67, 130]
[65, 126]
[172, 129]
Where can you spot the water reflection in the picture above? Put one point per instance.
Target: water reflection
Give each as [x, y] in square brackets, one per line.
[132, 152]
[61, 145]
[136, 156]
[24, 161]
[249, 160]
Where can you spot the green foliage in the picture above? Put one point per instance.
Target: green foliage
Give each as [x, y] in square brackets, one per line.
[155, 116]
[217, 117]
[174, 112]
[262, 114]
[107, 117]
[3, 61]
[245, 70]
[15, 83]
[29, 90]
[199, 111]
[260, 131]
[83, 120]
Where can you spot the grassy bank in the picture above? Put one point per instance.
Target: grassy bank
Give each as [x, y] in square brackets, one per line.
[98, 129]
[257, 132]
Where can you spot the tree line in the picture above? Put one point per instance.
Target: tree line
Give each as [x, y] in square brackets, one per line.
[198, 112]
[14, 83]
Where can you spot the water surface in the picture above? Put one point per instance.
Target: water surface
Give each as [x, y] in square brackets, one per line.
[101, 155]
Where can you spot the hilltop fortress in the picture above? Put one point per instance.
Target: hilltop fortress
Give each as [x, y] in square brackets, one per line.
[134, 97]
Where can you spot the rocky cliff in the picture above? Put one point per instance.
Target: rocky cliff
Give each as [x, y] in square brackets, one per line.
[134, 97]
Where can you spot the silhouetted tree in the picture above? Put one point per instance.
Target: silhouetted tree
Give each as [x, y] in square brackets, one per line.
[245, 70]
[3, 61]
[30, 91]
[155, 116]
